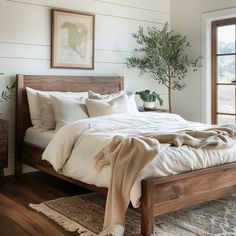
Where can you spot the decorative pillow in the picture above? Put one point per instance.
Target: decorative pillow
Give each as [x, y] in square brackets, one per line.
[34, 106]
[48, 121]
[108, 97]
[67, 110]
[93, 95]
[102, 107]
[132, 104]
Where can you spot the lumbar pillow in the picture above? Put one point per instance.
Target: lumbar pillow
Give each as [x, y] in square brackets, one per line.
[68, 110]
[102, 107]
[109, 97]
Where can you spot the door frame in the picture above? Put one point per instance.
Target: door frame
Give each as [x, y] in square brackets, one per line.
[206, 21]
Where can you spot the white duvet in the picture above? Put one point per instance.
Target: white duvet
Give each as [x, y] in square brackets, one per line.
[72, 150]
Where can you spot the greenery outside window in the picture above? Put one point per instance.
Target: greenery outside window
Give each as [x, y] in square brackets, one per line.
[223, 71]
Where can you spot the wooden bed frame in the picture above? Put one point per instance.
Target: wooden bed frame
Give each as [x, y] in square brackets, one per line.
[159, 195]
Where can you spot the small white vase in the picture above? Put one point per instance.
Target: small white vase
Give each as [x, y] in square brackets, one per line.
[149, 105]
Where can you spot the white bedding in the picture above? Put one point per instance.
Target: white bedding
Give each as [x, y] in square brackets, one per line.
[73, 148]
[37, 136]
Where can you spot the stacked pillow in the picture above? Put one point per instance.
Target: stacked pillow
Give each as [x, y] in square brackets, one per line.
[44, 108]
[51, 110]
[67, 110]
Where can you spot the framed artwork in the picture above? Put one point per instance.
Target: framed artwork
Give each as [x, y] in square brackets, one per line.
[72, 38]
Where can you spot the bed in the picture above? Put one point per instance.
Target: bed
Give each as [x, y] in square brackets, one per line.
[159, 195]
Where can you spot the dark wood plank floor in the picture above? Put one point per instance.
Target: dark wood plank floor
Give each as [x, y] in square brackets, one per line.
[16, 218]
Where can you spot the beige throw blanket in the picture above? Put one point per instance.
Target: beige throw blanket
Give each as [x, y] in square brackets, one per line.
[128, 155]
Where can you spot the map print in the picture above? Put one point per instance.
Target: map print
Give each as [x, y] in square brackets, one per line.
[77, 36]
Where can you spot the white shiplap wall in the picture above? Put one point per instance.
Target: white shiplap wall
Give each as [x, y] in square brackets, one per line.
[25, 42]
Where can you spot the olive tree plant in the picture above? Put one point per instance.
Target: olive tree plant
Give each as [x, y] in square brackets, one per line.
[5, 94]
[162, 54]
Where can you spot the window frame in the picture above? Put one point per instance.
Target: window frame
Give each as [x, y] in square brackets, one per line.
[214, 57]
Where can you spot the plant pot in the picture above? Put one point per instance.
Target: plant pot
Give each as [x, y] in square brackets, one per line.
[149, 105]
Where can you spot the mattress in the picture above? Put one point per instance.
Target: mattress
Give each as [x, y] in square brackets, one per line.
[37, 136]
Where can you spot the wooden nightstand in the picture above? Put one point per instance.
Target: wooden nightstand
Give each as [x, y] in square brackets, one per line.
[142, 109]
[3, 147]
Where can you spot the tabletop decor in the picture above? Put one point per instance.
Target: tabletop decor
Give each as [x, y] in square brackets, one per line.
[150, 98]
[163, 55]
[72, 40]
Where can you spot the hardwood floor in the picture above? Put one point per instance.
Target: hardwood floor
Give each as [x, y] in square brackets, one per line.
[16, 218]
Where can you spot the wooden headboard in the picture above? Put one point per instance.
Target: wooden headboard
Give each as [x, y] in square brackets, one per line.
[57, 83]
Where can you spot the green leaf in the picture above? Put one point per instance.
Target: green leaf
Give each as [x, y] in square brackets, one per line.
[162, 54]
[5, 94]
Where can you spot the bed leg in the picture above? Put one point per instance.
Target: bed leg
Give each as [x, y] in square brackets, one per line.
[147, 216]
[18, 154]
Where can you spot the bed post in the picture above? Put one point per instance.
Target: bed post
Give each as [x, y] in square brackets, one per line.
[19, 124]
[147, 216]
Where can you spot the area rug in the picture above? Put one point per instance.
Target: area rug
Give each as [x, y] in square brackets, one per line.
[84, 213]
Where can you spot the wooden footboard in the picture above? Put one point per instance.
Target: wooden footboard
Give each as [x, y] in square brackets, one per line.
[159, 195]
[173, 193]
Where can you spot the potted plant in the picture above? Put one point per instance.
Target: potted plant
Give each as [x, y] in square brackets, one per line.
[149, 99]
[163, 55]
[5, 94]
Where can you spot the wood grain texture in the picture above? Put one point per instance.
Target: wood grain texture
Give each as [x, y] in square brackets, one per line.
[17, 193]
[161, 110]
[193, 188]
[3, 143]
[147, 214]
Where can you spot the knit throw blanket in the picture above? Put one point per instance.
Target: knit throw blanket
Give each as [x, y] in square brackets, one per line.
[128, 155]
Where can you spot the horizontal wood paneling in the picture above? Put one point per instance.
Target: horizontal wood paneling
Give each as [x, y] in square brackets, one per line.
[24, 27]
[25, 43]
[12, 66]
[100, 8]
[24, 23]
[151, 5]
[19, 51]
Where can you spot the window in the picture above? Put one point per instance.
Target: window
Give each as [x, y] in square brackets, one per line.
[223, 71]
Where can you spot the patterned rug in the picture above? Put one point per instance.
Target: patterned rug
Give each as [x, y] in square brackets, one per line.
[84, 213]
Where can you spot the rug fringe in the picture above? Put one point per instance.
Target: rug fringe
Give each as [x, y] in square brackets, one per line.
[62, 220]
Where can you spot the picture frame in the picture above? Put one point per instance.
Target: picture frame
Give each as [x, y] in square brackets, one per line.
[72, 39]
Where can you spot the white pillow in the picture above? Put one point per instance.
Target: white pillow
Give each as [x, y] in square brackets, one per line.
[102, 107]
[67, 110]
[132, 104]
[108, 97]
[34, 106]
[48, 121]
